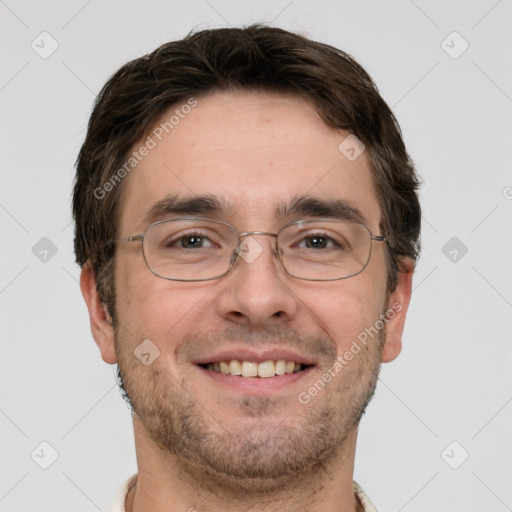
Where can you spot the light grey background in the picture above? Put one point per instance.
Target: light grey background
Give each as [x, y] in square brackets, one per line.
[452, 381]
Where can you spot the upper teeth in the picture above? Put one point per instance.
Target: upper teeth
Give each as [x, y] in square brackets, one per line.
[254, 369]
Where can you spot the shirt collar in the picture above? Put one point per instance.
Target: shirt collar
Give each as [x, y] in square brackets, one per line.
[117, 504]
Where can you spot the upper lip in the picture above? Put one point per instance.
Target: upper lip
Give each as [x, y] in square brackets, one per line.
[244, 354]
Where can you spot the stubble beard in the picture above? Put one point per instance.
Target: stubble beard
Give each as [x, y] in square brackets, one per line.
[302, 439]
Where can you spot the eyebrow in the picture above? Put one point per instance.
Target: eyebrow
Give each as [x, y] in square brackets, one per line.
[172, 205]
[216, 207]
[309, 206]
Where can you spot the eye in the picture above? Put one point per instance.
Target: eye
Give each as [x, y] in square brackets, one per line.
[189, 241]
[318, 241]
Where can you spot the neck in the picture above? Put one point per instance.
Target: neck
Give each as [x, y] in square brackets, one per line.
[166, 483]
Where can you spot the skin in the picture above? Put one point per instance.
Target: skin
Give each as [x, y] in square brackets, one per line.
[201, 445]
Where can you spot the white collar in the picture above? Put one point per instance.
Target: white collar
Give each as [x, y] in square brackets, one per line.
[117, 504]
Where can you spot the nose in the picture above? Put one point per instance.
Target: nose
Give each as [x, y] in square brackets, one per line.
[257, 291]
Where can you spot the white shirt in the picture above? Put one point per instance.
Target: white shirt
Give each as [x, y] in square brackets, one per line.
[117, 504]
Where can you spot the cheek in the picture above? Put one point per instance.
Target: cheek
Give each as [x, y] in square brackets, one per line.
[150, 307]
[346, 310]
[135, 298]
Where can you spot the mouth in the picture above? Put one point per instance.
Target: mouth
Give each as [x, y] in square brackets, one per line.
[255, 369]
[252, 372]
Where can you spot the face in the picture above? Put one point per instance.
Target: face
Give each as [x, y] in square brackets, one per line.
[253, 152]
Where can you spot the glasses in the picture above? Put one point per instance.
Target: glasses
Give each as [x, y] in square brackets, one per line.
[195, 249]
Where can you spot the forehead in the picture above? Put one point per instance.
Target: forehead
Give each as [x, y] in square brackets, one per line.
[253, 151]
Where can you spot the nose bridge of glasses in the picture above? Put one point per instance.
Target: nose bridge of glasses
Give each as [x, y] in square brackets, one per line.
[247, 233]
[248, 248]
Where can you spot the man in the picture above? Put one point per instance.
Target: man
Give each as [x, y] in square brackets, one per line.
[247, 224]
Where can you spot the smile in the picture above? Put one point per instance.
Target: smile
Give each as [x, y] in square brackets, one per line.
[264, 369]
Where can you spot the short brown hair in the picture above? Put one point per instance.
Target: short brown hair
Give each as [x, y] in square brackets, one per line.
[256, 57]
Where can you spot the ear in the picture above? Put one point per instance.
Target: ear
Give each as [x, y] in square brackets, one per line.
[398, 304]
[101, 322]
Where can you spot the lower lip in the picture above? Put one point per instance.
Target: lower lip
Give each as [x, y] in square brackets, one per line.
[256, 385]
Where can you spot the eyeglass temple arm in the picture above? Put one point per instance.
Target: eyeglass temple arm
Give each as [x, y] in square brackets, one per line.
[132, 238]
